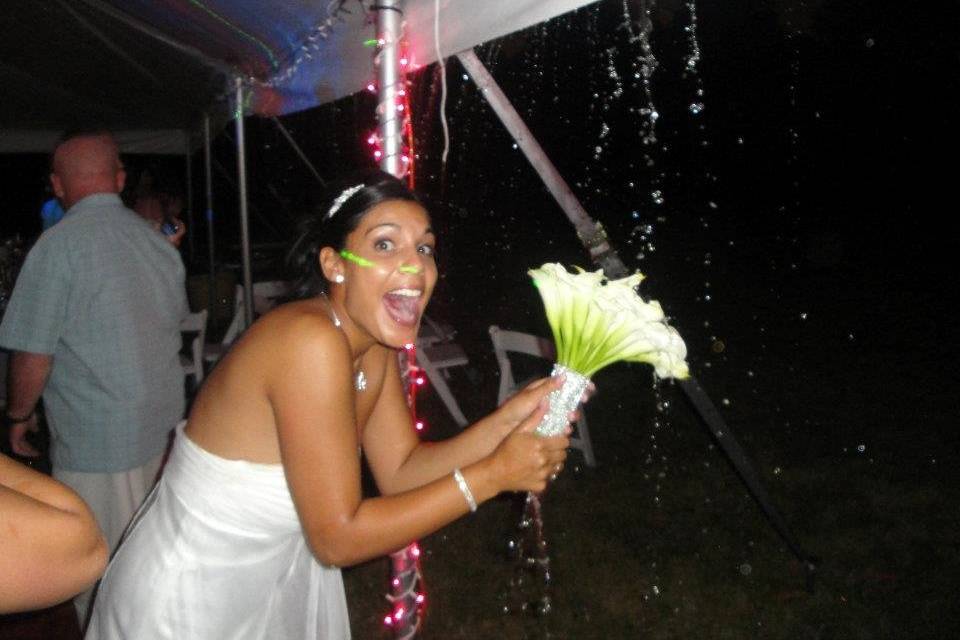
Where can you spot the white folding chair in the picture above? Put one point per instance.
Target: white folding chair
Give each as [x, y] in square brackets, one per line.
[196, 325]
[505, 342]
[265, 296]
[213, 352]
[267, 293]
[436, 353]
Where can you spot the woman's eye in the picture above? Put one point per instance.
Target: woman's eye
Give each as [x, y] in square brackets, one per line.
[383, 245]
[427, 250]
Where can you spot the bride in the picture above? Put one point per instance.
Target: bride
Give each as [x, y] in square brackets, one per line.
[260, 501]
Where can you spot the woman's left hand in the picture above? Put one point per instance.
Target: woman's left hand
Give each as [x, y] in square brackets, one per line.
[520, 405]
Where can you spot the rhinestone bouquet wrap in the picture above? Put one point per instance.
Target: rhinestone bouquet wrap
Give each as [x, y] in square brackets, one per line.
[562, 401]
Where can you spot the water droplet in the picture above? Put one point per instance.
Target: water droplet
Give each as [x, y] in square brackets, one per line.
[777, 471]
[870, 42]
[656, 590]
[803, 316]
[696, 108]
[746, 569]
[726, 402]
[861, 448]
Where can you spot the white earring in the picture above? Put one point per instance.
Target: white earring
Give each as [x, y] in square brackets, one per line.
[338, 278]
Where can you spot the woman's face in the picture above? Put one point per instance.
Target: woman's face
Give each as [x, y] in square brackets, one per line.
[389, 271]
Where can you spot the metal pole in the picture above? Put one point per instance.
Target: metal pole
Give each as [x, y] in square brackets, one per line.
[188, 203]
[244, 212]
[595, 239]
[591, 233]
[299, 151]
[389, 27]
[208, 213]
[405, 564]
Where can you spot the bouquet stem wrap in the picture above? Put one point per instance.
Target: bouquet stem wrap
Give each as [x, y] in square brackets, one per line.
[562, 401]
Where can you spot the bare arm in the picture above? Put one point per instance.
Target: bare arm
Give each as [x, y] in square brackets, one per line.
[318, 446]
[52, 547]
[28, 373]
[400, 461]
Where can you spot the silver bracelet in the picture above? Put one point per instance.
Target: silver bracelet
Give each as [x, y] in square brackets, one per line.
[465, 489]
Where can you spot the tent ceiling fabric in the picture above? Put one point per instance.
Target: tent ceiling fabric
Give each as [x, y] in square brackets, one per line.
[342, 66]
[160, 64]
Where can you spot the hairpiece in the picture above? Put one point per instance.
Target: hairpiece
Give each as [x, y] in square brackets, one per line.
[345, 195]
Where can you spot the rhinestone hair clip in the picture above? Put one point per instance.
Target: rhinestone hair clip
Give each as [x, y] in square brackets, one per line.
[345, 195]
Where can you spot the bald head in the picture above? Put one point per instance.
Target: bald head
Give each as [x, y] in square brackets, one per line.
[84, 165]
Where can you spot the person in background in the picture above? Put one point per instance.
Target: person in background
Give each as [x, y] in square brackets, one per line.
[52, 546]
[161, 208]
[163, 212]
[51, 213]
[94, 326]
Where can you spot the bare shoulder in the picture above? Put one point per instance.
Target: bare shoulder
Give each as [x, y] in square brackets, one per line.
[299, 331]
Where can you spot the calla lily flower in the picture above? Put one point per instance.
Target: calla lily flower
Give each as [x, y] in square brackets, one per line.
[596, 322]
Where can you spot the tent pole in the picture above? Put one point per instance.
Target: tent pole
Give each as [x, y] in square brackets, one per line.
[405, 564]
[299, 151]
[244, 211]
[389, 31]
[595, 239]
[208, 179]
[591, 233]
[188, 202]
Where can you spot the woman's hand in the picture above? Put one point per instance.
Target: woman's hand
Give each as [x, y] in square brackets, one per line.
[519, 406]
[512, 412]
[525, 461]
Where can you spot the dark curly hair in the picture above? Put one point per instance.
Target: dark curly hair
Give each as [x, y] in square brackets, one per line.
[318, 229]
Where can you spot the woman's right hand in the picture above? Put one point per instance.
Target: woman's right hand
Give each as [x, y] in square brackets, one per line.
[525, 461]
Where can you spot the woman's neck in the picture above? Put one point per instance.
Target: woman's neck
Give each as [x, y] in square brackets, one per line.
[358, 340]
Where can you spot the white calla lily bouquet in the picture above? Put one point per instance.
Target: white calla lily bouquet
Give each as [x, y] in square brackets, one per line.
[596, 322]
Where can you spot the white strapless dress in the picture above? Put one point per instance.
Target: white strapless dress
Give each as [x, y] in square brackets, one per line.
[217, 553]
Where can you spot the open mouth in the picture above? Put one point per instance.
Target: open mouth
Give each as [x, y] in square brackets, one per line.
[403, 305]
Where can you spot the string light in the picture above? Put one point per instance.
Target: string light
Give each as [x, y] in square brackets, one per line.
[402, 107]
[407, 596]
[319, 32]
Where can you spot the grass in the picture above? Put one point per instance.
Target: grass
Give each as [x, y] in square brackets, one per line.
[661, 541]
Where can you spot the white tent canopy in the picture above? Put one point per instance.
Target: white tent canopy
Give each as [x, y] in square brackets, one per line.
[152, 69]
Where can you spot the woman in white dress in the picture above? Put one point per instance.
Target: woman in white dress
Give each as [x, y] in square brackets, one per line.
[260, 501]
